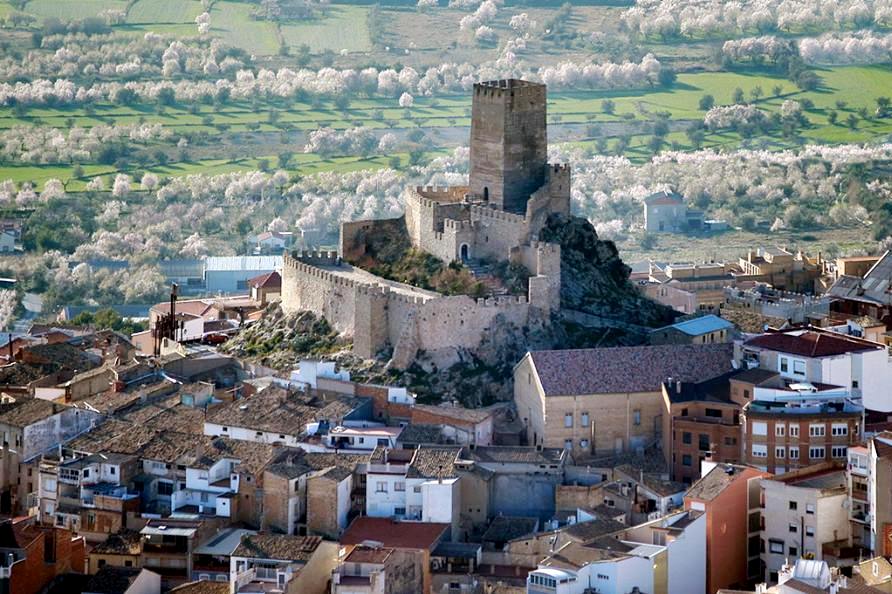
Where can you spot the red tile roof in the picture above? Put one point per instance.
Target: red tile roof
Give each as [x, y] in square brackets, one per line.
[393, 534]
[812, 343]
[618, 370]
[660, 198]
[270, 279]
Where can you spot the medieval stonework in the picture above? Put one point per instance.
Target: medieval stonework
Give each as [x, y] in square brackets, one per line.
[497, 218]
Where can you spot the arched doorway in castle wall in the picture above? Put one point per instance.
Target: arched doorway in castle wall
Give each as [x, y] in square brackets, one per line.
[464, 252]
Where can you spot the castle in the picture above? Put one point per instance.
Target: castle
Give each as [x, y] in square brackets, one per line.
[496, 218]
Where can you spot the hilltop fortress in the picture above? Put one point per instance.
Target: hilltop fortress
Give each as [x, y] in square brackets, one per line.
[496, 218]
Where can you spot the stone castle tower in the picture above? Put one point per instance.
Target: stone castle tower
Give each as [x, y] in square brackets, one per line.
[509, 143]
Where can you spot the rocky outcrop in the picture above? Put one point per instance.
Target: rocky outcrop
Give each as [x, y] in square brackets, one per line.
[594, 278]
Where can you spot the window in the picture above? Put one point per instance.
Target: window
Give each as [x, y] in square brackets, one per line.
[636, 416]
[780, 452]
[399, 511]
[686, 437]
[714, 412]
[703, 442]
[794, 453]
[799, 368]
[817, 430]
[792, 506]
[746, 394]
[381, 487]
[165, 488]
[760, 450]
[794, 552]
[568, 444]
[809, 530]
[780, 429]
[855, 384]
[583, 419]
[86, 473]
[794, 430]
[816, 453]
[416, 489]
[784, 367]
[686, 460]
[793, 528]
[583, 444]
[112, 470]
[839, 451]
[776, 546]
[760, 428]
[684, 412]
[399, 486]
[128, 563]
[730, 441]
[204, 497]
[568, 420]
[839, 429]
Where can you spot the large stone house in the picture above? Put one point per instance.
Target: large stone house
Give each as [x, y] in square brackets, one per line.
[606, 400]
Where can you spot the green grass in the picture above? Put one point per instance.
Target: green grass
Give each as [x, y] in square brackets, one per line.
[72, 9]
[344, 27]
[232, 23]
[164, 11]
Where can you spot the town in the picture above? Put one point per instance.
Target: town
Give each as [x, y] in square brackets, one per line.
[674, 428]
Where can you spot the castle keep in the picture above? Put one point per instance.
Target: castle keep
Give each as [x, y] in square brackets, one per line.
[496, 218]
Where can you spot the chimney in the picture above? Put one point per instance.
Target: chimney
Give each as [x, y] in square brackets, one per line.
[678, 387]
[440, 474]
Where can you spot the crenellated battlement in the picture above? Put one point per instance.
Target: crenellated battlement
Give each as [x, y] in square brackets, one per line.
[487, 213]
[511, 87]
[438, 194]
[504, 301]
[456, 225]
[545, 247]
[318, 257]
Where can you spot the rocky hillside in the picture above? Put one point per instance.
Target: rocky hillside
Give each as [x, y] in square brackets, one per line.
[594, 278]
[594, 281]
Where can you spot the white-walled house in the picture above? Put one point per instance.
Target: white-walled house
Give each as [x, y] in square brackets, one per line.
[669, 552]
[820, 356]
[421, 485]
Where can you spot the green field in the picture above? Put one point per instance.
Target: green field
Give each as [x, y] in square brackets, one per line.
[344, 27]
[72, 9]
[232, 23]
[164, 11]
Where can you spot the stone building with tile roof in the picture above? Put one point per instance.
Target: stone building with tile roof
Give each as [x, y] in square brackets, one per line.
[606, 400]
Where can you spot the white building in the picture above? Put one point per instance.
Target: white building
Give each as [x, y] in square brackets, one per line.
[421, 484]
[670, 551]
[819, 356]
[804, 510]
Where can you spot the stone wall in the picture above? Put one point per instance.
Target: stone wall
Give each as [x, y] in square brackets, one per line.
[352, 245]
[307, 287]
[322, 507]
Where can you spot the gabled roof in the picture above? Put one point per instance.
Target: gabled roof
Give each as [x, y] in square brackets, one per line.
[397, 535]
[875, 287]
[618, 370]
[711, 485]
[265, 281]
[812, 342]
[664, 198]
[277, 547]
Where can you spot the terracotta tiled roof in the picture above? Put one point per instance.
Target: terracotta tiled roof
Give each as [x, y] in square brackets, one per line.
[364, 554]
[277, 546]
[26, 411]
[393, 534]
[126, 542]
[113, 580]
[433, 463]
[202, 587]
[627, 369]
[664, 198]
[812, 343]
[265, 281]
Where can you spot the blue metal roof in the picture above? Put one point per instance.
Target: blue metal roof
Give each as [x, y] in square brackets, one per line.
[701, 325]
